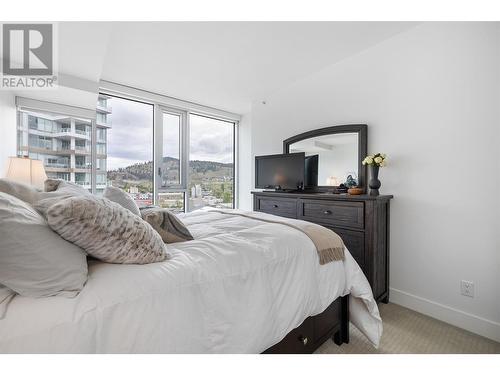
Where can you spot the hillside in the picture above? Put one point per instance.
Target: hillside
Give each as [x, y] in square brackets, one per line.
[198, 168]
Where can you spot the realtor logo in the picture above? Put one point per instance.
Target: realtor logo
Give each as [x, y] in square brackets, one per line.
[28, 56]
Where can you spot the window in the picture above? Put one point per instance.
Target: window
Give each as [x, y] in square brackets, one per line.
[101, 118]
[171, 161]
[65, 155]
[101, 165]
[171, 188]
[39, 141]
[102, 101]
[81, 146]
[211, 163]
[196, 169]
[173, 201]
[62, 176]
[101, 149]
[100, 179]
[127, 151]
[101, 135]
[158, 153]
[41, 123]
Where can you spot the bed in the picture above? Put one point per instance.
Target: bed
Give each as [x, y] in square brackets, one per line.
[240, 287]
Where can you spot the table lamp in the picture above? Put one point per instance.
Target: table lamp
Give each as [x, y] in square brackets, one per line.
[26, 170]
[332, 181]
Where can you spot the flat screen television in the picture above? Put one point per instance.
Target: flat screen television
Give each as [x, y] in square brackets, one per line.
[280, 172]
[311, 170]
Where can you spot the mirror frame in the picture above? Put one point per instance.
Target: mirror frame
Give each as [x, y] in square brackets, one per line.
[360, 129]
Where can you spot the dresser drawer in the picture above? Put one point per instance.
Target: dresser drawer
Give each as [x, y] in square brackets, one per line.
[277, 206]
[355, 243]
[344, 214]
[298, 341]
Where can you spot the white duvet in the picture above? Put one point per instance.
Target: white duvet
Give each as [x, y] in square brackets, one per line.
[240, 287]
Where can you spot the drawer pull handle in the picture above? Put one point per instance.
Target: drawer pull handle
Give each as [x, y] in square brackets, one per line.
[327, 212]
[303, 340]
[275, 205]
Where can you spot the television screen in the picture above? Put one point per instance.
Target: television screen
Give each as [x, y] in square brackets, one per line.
[282, 171]
[311, 170]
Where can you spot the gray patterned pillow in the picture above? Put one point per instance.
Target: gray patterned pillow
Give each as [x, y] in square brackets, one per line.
[106, 230]
[170, 228]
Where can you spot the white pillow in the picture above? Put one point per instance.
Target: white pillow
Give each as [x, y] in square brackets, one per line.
[106, 230]
[6, 295]
[55, 190]
[35, 261]
[21, 191]
[122, 198]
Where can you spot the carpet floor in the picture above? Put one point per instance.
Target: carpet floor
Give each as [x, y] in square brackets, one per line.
[409, 332]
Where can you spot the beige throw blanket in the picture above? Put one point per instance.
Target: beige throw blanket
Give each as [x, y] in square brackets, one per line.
[329, 245]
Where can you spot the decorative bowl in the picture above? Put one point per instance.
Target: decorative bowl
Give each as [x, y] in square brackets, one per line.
[355, 191]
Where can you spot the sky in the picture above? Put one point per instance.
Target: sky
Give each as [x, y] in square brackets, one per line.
[130, 139]
[210, 139]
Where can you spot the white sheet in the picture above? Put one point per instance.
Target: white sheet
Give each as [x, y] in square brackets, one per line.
[238, 288]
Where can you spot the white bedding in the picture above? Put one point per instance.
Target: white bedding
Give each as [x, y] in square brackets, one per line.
[240, 287]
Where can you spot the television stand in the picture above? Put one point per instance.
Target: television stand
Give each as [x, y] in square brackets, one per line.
[291, 191]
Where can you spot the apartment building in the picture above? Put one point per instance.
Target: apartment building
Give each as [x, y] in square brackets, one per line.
[64, 144]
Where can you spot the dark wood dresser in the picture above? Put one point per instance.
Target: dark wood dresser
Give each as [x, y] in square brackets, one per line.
[361, 220]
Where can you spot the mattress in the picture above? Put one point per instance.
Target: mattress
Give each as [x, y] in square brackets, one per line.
[239, 287]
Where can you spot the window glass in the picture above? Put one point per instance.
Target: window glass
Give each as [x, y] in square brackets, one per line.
[62, 143]
[173, 201]
[211, 163]
[200, 175]
[126, 153]
[170, 163]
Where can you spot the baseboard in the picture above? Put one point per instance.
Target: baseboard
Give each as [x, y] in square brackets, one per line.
[450, 315]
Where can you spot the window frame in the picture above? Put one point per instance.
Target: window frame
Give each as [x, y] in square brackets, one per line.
[161, 104]
[168, 104]
[181, 187]
[183, 146]
[235, 145]
[94, 132]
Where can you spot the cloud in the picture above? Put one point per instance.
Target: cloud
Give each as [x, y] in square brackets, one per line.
[211, 140]
[130, 139]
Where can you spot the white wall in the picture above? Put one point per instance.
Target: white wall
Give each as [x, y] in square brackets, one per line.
[431, 99]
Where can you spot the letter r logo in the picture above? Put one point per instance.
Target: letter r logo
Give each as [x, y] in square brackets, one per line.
[27, 49]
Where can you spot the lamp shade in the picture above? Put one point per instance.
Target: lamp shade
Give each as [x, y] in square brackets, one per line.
[27, 171]
[332, 181]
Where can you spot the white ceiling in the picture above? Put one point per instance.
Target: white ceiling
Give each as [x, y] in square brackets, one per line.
[227, 65]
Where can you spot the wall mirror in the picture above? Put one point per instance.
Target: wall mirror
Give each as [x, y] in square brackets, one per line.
[333, 155]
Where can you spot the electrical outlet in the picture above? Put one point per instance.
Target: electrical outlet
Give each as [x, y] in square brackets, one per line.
[467, 288]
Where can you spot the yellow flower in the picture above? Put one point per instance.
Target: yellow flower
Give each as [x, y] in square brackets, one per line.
[378, 160]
